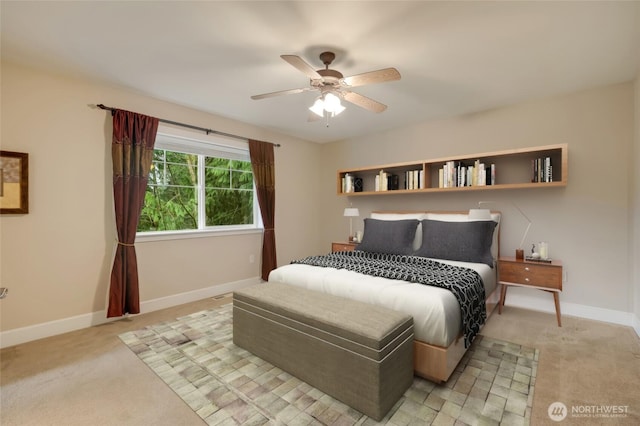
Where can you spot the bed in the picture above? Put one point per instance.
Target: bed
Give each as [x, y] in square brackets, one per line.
[400, 253]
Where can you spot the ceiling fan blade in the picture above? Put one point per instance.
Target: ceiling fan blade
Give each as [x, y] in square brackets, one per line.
[301, 65]
[364, 102]
[372, 77]
[282, 92]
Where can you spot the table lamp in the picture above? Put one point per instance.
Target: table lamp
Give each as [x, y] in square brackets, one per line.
[351, 212]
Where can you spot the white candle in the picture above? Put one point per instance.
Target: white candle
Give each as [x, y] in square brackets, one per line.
[544, 250]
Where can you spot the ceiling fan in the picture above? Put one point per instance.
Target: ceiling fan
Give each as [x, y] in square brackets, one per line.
[333, 86]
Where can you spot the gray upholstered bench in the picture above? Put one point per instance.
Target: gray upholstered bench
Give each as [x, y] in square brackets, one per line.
[359, 354]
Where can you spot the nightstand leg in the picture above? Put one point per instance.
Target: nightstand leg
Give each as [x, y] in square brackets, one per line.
[503, 294]
[556, 298]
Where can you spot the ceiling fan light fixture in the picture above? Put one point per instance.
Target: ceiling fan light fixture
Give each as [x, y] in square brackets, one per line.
[328, 102]
[332, 103]
[338, 109]
[318, 107]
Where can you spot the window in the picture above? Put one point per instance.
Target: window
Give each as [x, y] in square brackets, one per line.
[199, 185]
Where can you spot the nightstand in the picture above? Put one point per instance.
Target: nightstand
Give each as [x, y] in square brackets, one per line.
[343, 246]
[539, 275]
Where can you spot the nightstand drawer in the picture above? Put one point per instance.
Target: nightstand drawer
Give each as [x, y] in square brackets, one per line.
[546, 276]
[343, 246]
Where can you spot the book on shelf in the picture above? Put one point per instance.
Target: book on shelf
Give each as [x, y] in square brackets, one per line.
[386, 181]
[351, 183]
[456, 174]
[541, 170]
[347, 183]
[414, 179]
[491, 175]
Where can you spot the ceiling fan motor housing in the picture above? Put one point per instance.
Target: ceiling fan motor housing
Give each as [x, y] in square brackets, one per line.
[329, 76]
[327, 58]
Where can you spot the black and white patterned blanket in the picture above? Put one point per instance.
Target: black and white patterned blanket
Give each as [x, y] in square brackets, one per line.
[466, 284]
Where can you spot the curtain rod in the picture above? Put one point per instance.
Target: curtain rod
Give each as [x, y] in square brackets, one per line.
[189, 126]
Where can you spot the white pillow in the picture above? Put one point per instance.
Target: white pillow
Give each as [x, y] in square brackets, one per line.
[417, 240]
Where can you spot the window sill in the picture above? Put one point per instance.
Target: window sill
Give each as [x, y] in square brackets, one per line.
[149, 237]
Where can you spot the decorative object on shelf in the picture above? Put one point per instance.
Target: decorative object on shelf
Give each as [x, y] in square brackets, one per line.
[543, 250]
[357, 184]
[351, 212]
[485, 214]
[537, 256]
[14, 182]
[541, 254]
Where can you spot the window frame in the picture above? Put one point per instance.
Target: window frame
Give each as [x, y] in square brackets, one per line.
[177, 140]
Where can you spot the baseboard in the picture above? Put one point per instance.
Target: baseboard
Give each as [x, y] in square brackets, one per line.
[65, 325]
[52, 328]
[541, 304]
[192, 296]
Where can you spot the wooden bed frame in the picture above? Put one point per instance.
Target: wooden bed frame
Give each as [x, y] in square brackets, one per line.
[436, 363]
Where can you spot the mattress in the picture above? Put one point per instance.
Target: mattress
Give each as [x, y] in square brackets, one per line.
[435, 311]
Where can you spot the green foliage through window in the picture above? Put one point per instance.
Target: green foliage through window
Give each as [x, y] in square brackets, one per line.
[173, 192]
[228, 192]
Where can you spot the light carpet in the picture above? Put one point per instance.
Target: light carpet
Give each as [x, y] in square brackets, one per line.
[227, 385]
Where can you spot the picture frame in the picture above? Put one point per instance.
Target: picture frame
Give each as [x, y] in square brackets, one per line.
[14, 182]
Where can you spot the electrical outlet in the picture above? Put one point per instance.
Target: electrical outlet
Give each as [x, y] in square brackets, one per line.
[566, 276]
[252, 258]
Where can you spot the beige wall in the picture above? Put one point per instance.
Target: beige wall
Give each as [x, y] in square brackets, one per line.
[586, 223]
[56, 259]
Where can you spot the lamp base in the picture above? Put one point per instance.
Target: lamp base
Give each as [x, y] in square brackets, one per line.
[519, 254]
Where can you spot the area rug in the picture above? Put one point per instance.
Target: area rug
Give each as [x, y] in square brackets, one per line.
[226, 385]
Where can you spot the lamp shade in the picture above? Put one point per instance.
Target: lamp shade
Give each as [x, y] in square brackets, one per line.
[480, 214]
[318, 107]
[351, 212]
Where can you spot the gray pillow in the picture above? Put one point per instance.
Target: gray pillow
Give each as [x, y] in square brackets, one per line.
[462, 241]
[388, 236]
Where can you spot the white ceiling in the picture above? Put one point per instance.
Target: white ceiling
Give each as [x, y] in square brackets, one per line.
[454, 57]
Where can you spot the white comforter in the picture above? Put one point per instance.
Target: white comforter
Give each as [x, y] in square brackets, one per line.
[435, 311]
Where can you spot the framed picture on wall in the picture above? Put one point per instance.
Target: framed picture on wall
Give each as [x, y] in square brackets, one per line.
[14, 182]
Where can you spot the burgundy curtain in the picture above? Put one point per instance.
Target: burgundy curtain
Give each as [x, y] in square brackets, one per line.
[263, 165]
[134, 136]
